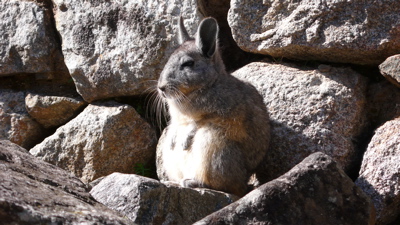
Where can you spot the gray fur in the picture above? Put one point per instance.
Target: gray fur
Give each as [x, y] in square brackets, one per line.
[206, 37]
[220, 120]
[182, 32]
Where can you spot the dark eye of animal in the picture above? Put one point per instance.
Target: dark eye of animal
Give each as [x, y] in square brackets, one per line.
[189, 64]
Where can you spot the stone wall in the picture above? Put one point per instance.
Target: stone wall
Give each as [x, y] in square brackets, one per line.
[74, 76]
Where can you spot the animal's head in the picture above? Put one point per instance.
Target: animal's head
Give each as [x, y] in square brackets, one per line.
[195, 65]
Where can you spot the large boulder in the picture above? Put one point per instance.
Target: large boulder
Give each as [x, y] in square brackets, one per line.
[53, 111]
[113, 48]
[359, 32]
[380, 172]
[15, 123]
[27, 43]
[147, 201]
[105, 138]
[310, 110]
[36, 192]
[316, 191]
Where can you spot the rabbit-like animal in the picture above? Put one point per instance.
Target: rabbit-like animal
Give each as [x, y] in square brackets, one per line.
[219, 126]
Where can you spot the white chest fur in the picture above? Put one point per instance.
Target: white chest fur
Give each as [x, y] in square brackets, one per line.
[187, 150]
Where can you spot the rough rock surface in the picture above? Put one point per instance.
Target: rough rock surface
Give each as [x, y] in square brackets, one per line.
[113, 48]
[35, 192]
[147, 201]
[104, 138]
[359, 32]
[390, 68]
[316, 191]
[380, 172]
[310, 110]
[52, 111]
[27, 42]
[15, 123]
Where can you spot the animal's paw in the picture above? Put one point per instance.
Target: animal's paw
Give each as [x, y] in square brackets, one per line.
[171, 183]
[191, 183]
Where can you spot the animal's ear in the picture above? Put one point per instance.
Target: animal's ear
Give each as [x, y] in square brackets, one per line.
[206, 36]
[182, 32]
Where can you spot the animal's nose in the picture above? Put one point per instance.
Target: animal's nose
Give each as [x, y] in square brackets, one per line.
[162, 88]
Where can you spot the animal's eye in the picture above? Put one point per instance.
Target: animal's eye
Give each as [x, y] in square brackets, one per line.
[189, 63]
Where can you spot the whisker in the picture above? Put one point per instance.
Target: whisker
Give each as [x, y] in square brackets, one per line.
[182, 100]
[150, 98]
[142, 82]
[158, 109]
[162, 110]
[151, 88]
[155, 105]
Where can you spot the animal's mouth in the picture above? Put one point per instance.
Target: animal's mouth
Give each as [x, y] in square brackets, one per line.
[162, 90]
[166, 91]
[162, 94]
[172, 92]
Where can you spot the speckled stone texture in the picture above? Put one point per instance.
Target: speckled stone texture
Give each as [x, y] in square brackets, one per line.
[358, 32]
[310, 110]
[112, 48]
[316, 191]
[380, 172]
[147, 201]
[36, 192]
[105, 138]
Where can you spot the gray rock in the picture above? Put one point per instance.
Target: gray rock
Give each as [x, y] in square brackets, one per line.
[52, 111]
[103, 139]
[15, 123]
[35, 192]
[359, 32]
[310, 111]
[147, 201]
[27, 42]
[113, 48]
[316, 191]
[390, 68]
[380, 172]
